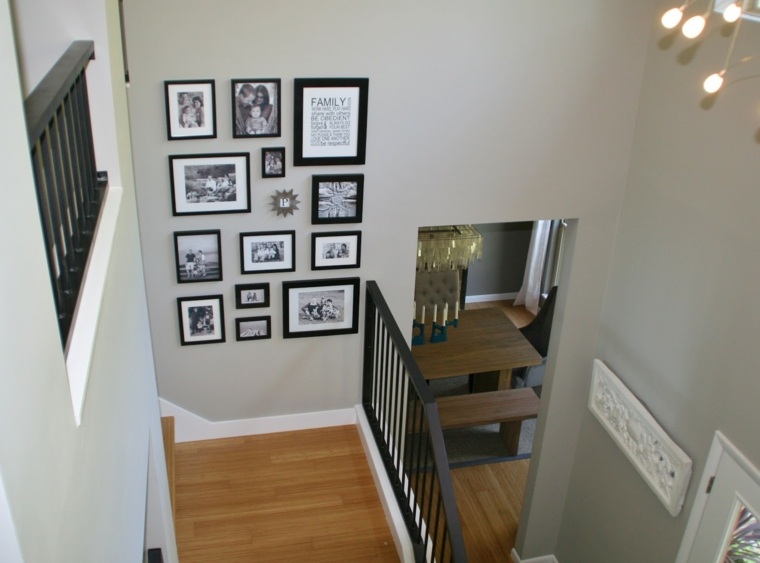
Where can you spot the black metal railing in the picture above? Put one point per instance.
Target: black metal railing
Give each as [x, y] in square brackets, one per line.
[404, 419]
[69, 188]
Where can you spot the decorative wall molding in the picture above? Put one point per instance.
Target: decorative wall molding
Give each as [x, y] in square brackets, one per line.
[663, 465]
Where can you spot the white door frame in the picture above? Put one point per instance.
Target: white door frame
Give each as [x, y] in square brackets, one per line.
[720, 446]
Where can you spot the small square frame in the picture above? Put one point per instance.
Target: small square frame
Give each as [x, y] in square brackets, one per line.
[251, 295]
[273, 162]
[201, 319]
[330, 121]
[337, 198]
[245, 93]
[336, 250]
[267, 251]
[198, 256]
[306, 313]
[190, 109]
[253, 328]
[205, 184]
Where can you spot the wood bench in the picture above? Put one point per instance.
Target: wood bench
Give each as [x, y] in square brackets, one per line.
[508, 407]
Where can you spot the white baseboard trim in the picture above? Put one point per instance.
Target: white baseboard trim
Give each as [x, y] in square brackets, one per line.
[384, 489]
[189, 427]
[542, 559]
[491, 297]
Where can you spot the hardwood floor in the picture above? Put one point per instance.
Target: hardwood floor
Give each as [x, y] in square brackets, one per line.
[309, 496]
[292, 496]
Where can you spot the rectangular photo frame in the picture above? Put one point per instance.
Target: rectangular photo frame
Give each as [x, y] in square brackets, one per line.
[205, 184]
[333, 251]
[256, 107]
[320, 307]
[337, 198]
[190, 109]
[273, 162]
[330, 121]
[267, 251]
[198, 256]
[251, 295]
[201, 319]
[253, 328]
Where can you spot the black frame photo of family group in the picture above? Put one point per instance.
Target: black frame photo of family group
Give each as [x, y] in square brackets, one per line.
[251, 295]
[201, 319]
[256, 107]
[336, 250]
[330, 121]
[190, 109]
[320, 307]
[206, 184]
[273, 162]
[267, 251]
[337, 198]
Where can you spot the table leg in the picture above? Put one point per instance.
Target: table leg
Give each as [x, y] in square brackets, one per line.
[491, 381]
[510, 433]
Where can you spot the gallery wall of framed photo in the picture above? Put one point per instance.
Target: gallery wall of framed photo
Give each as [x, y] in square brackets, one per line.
[329, 117]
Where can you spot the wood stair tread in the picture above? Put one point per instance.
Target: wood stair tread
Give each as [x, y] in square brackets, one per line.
[477, 409]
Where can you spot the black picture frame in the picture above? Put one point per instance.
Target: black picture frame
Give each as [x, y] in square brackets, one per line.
[306, 312]
[201, 319]
[251, 295]
[198, 256]
[190, 109]
[267, 251]
[207, 184]
[250, 93]
[253, 328]
[337, 198]
[330, 121]
[273, 162]
[336, 250]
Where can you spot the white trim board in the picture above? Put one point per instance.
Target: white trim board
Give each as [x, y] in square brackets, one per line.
[189, 427]
[490, 297]
[542, 559]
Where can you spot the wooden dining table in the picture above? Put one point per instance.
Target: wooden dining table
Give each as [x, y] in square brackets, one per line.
[485, 344]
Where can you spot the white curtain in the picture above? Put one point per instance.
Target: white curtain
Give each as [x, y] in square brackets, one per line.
[530, 292]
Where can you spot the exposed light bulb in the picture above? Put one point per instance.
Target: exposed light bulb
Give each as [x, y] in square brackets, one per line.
[714, 82]
[732, 12]
[672, 17]
[693, 26]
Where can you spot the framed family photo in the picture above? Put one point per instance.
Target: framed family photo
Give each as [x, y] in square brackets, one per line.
[190, 109]
[253, 328]
[201, 319]
[255, 107]
[331, 251]
[320, 307]
[210, 183]
[273, 162]
[251, 295]
[330, 121]
[337, 198]
[198, 256]
[271, 251]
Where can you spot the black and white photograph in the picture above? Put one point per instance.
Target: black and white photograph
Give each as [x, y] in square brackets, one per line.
[198, 256]
[251, 295]
[320, 307]
[190, 109]
[337, 198]
[271, 251]
[201, 319]
[273, 162]
[210, 183]
[330, 121]
[253, 328]
[255, 107]
[335, 250]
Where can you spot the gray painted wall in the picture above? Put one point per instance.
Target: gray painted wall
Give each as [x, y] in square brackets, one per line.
[74, 493]
[505, 251]
[680, 323]
[513, 111]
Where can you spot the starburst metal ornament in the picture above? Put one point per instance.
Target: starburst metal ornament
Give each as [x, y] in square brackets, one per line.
[284, 202]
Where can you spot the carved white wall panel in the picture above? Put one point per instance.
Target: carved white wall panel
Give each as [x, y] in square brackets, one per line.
[663, 465]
